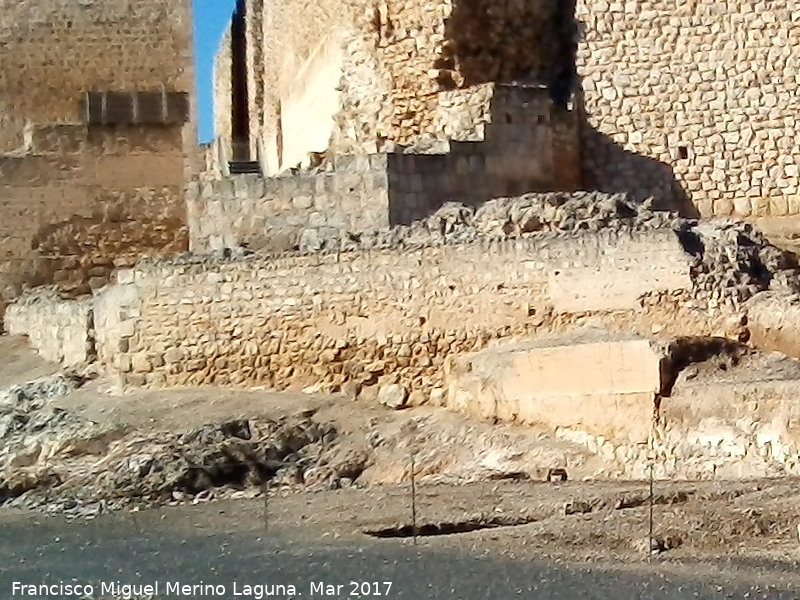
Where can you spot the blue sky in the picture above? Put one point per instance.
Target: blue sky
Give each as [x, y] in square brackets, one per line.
[211, 17]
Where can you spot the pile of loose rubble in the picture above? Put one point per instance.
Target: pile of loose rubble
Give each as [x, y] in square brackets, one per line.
[55, 460]
[504, 218]
[734, 260]
[730, 260]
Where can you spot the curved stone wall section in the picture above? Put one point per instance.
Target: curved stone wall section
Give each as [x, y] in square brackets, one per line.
[223, 125]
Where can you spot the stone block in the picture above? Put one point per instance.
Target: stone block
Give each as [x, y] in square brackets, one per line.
[595, 382]
[778, 207]
[140, 363]
[774, 323]
[742, 207]
[125, 276]
[393, 395]
[615, 272]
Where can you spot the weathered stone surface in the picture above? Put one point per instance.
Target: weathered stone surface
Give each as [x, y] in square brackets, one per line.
[585, 381]
[690, 134]
[612, 283]
[363, 78]
[330, 318]
[58, 328]
[774, 322]
[77, 201]
[393, 395]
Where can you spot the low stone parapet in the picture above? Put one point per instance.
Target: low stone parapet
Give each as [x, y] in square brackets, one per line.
[370, 317]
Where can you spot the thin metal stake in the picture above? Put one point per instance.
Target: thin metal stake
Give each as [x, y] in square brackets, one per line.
[266, 505]
[650, 524]
[413, 500]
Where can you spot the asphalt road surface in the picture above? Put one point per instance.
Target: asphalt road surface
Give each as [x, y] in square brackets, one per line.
[169, 547]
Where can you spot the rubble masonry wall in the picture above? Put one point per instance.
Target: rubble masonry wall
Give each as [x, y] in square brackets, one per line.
[700, 94]
[361, 76]
[60, 330]
[363, 193]
[333, 318]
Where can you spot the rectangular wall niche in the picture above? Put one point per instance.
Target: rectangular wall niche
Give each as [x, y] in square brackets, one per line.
[135, 108]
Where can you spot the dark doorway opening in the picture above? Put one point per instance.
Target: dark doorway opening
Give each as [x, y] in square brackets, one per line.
[240, 119]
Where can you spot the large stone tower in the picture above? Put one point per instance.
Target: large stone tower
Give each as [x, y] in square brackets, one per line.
[96, 123]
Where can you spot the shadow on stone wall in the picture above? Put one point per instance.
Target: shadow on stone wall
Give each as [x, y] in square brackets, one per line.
[608, 167]
[551, 30]
[521, 41]
[526, 137]
[514, 160]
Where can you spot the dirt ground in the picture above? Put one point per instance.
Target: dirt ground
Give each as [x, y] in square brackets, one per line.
[588, 522]
[19, 364]
[468, 488]
[737, 533]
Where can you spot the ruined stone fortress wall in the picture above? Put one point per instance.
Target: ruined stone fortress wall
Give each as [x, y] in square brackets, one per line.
[707, 91]
[691, 103]
[59, 329]
[91, 183]
[368, 192]
[333, 318]
[359, 77]
[275, 214]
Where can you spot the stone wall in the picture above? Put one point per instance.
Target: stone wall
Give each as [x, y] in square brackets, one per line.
[54, 51]
[87, 179]
[418, 70]
[334, 318]
[273, 214]
[59, 329]
[360, 77]
[525, 150]
[527, 147]
[254, 59]
[695, 109]
[84, 200]
[693, 97]
[223, 100]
